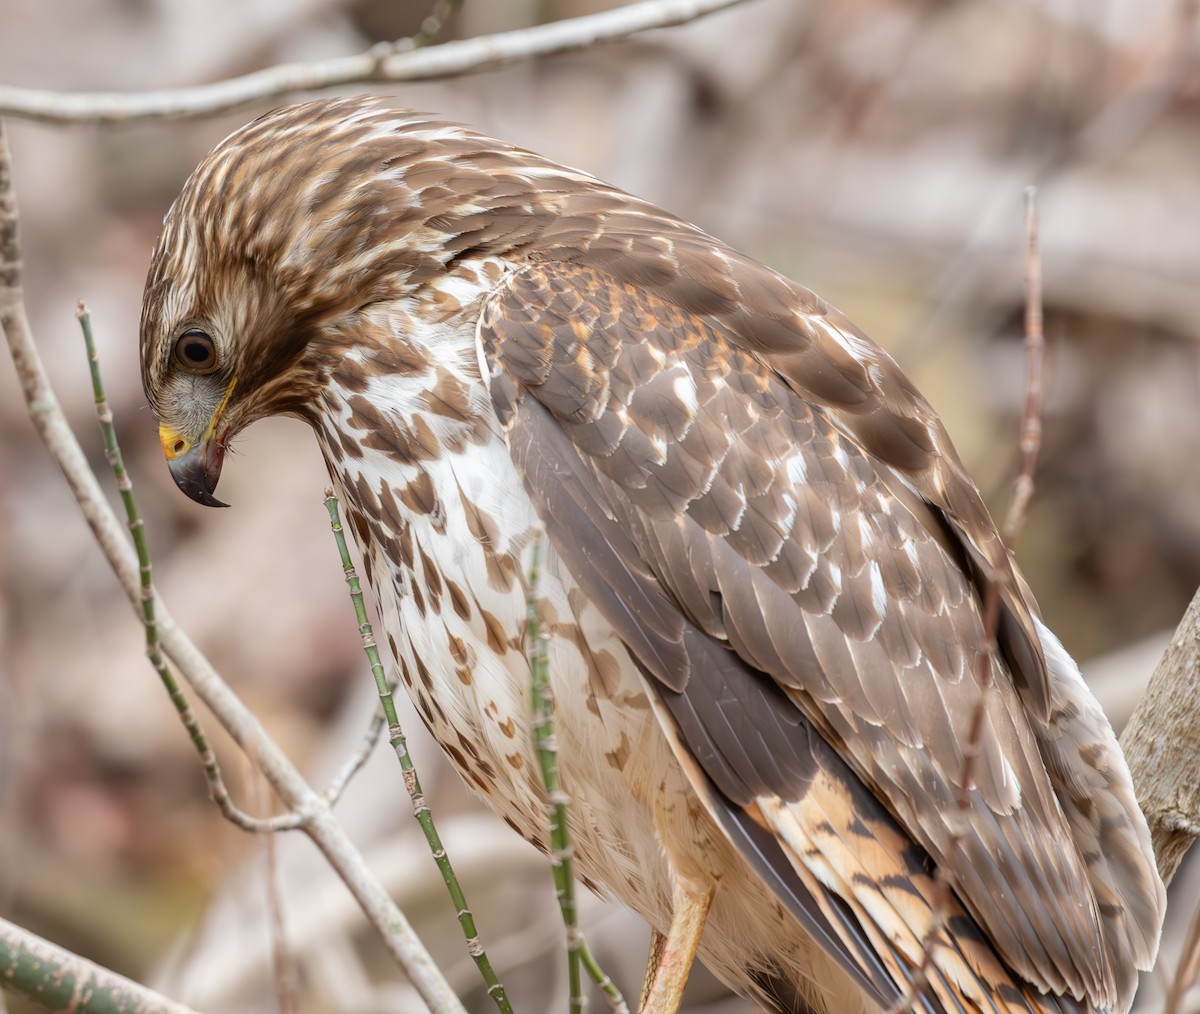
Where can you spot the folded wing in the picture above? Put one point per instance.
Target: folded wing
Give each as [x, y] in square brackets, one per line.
[810, 617]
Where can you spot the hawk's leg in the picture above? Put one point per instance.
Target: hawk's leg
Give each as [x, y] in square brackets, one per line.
[671, 956]
[658, 944]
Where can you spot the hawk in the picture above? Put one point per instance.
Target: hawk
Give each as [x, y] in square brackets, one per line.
[766, 577]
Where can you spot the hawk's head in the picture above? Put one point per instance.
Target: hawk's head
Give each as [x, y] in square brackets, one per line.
[290, 227]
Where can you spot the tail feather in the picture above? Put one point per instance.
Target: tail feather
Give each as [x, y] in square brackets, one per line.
[1094, 788]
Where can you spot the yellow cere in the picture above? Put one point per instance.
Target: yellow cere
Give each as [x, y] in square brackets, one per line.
[175, 444]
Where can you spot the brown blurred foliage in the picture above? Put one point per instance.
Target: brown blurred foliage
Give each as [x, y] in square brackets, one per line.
[876, 150]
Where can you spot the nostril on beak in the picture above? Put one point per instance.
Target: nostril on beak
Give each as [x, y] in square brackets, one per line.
[179, 447]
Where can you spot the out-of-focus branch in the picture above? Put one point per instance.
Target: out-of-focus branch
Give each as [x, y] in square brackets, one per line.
[321, 826]
[56, 979]
[386, 63]
[432, 26]
[1162, 744]
[1035, 351]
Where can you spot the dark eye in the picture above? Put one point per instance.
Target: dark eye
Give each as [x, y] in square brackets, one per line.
[195, 352]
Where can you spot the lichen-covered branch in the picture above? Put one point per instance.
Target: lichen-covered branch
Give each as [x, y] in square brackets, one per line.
[56, 979]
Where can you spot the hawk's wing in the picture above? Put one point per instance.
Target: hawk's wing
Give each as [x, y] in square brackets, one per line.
[781, 554]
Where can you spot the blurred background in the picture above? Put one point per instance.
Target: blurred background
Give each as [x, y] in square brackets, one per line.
[876, 150]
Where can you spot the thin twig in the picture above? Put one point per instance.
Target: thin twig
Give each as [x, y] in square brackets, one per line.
[379, 64]
[944, 873]
[1030, 442]
[355, 761]
[432, 26]
[420, 807]
[1035, 355]
[1115, 129]
[243, 727]
[426, 35]
[562, 853]
[283, 961]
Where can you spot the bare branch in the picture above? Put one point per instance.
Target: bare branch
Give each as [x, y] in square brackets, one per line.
[379, 64]
[354, 763]
[325, 831]
[283, 961]
[55, 979]
[946, 872]
[1162, 744]
[1035, 354]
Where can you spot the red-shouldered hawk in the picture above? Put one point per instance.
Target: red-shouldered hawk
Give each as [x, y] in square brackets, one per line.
[765, 570]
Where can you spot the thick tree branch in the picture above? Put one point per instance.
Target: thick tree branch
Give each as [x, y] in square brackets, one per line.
[58, 980]
[1162, 744]
[379, 64]
[321, 826]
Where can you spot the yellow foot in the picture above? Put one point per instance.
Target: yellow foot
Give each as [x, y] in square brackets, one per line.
[671, 956]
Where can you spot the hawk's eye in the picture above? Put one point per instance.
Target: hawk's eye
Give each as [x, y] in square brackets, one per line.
[195, 352]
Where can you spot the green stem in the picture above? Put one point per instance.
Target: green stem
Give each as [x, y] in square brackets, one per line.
[137, 528]
[611, 993]
[562, 854]
[212, 770]
[411, 781]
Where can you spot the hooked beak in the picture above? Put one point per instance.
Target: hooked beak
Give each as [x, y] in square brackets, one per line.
[195, 469]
